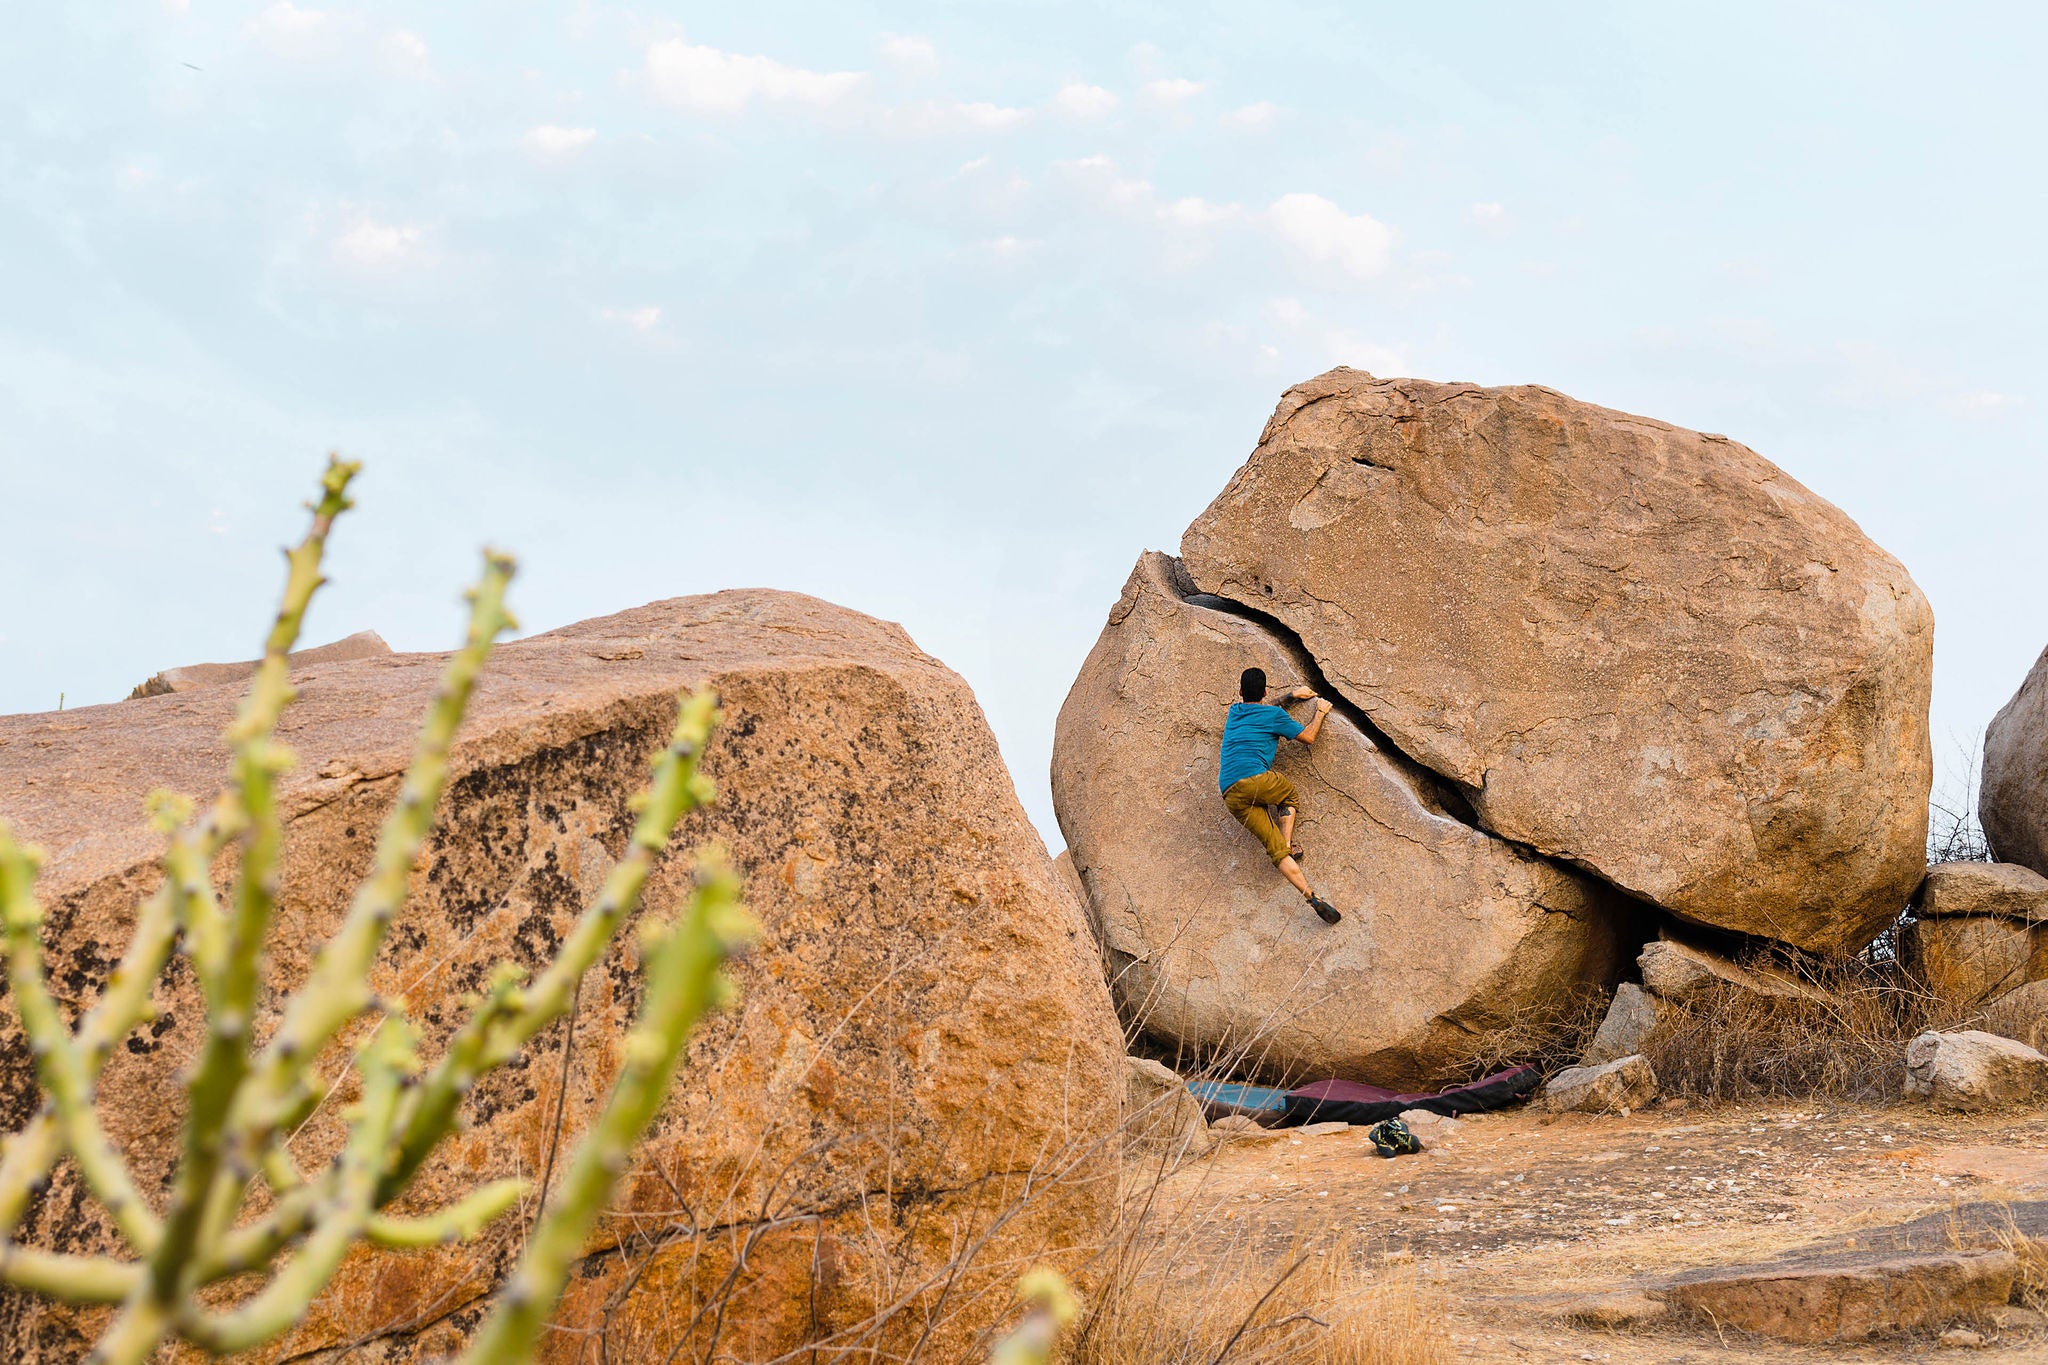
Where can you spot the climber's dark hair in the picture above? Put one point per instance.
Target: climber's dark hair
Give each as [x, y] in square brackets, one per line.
[1252, 686]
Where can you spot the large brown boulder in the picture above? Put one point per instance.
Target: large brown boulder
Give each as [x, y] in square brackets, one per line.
[2012, 798]
[1448, 931]
[1641, 649]
[924, 1043]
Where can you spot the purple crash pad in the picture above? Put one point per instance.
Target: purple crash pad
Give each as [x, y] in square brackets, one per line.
[1354, 1102]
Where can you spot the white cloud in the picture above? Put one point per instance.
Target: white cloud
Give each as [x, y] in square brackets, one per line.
[1259, 115]
[1084, 101]
[726, 82]
[547, 140]
[373, 244]
[405, 50]
[1489, 213]
[1326, 235]
[1172, 91]
[642, 320]
[991, 115]
[286, 27]
[1193, 211]
[1330, 344]
[1987, 401]
[910, 53]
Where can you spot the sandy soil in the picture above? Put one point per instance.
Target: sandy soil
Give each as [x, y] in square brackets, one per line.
[1515, 1216]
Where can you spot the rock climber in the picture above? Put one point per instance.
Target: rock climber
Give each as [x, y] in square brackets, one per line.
[1252, 791]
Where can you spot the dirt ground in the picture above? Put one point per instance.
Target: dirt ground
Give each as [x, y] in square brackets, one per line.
[1514, 1216]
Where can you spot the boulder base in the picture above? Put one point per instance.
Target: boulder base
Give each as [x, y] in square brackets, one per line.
[1643, 649]
[1447, 930]
[922, 1025]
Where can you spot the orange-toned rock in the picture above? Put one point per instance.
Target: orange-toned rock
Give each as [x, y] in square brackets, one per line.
[1643, 650]
[924, 1042]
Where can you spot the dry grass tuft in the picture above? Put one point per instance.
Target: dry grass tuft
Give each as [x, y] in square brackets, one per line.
[1319, 1305]
[1729, 1044]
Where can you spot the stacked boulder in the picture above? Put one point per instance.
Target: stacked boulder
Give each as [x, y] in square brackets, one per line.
[1590, 671]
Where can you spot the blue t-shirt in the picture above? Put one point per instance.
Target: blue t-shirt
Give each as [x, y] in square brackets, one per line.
[1250, 736]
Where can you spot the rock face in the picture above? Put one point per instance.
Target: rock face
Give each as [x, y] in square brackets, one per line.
[1640, 649]
[2007, 890]
[2012, 798]
[1447, 930]
[923, 1024]
[1973, 1070]
[1611, 1088]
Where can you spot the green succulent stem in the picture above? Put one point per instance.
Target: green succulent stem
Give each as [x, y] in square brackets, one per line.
[682, 984]
[243, 1105]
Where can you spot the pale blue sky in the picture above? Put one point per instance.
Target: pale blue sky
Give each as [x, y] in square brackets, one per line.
[946, 312]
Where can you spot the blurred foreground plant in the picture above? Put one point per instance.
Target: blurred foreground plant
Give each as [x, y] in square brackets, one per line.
[244, 1101]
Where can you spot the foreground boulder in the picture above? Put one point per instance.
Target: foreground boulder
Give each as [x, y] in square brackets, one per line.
[1447, 931]
[1641, 649]
[2012, 796]
[1974, 1070]
[924, 1051]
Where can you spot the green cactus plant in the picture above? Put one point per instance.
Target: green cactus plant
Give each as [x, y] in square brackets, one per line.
[243, 1100]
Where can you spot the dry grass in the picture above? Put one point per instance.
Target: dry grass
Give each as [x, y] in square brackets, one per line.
[1326, 1304]
[1729, 1044]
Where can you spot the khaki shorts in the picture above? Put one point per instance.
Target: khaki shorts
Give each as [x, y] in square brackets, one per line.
[1247, 800]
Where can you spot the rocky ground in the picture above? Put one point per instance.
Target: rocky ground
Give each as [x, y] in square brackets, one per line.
[1521, 1217]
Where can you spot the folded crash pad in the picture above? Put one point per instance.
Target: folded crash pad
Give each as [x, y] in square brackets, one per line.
[1352, 1102]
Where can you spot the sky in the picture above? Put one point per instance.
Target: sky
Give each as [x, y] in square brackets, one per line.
[948, 311]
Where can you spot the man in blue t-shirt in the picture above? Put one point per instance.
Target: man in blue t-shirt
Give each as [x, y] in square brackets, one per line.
[1252, 790]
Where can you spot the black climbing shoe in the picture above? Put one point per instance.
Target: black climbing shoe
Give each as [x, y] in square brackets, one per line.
[1392, 1138]
[1325, 909]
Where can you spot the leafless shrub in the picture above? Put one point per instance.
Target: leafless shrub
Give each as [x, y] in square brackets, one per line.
[1550, 1037]
[1846, 1041]
[1954, 833]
